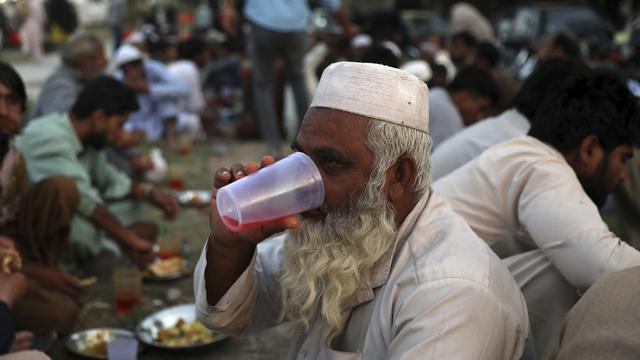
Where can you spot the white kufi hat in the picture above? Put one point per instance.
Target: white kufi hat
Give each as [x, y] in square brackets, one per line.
[375, 91]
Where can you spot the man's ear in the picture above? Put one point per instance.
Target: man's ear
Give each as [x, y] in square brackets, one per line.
[400, 178]
[590, 152]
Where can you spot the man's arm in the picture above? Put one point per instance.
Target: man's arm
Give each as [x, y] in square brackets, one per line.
[140, 250]
[566, 225]
[162, 85]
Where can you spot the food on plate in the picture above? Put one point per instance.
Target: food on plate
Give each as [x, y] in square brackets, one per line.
[167, 267]
[96, 343]
[199, 201]
[185, 333]
[11, 261]
[88, 281]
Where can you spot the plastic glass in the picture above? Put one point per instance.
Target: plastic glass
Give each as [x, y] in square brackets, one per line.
[170, 246]
[289, 186]
[122, 348]
[127, 283]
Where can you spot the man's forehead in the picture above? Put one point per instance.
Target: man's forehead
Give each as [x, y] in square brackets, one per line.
[325, 127]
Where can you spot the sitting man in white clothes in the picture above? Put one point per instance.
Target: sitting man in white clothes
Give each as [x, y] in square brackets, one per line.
[534, 199]
[193, 55]
[384, 269]
[471, 141]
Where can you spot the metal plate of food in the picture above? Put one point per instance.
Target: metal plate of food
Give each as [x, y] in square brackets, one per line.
[92, 343]
[168, 269]
[194, 198]
[176, 329]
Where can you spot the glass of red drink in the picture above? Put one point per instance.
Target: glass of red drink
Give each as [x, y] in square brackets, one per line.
[127, 283]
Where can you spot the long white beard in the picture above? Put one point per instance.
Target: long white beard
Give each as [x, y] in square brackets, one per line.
[327, 260]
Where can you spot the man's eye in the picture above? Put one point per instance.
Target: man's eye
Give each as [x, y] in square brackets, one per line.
[330, 160]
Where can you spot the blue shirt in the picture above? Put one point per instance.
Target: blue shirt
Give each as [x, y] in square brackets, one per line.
[283, 15]
[159, 104]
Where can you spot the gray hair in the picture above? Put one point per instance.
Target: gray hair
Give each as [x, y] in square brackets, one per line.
[389, 141]
[79, 47]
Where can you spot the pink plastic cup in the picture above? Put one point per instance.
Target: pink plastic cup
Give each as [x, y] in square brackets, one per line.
[290, 186]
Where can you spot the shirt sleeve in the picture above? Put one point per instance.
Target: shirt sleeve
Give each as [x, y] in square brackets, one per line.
[162, 85]
[454, 319]
[253, 301]
[112, 183]
[566, 225]
[58, 158]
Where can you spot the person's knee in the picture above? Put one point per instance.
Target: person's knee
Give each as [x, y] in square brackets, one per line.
[62, 186]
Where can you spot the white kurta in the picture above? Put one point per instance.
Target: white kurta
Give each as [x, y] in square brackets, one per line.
[190, 106]
[526, 202]
[471, 141]
[440, 293]
[444, 118]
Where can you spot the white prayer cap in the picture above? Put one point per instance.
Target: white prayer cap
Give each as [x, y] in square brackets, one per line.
[126, 54]
[134, 38]
[393, 48]
[361, 41]
[375, 91]
[419, 68]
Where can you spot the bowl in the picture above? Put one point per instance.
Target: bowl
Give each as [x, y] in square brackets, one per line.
[80, 342]
[198, 199]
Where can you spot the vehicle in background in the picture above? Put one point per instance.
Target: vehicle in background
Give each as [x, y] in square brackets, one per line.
[521, 29]
[421, 23]
[525, 25]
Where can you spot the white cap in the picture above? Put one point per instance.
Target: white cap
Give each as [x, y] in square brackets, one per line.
[134, 38]
[126, 54]
[361, 41]
[375, 91]
[392, 47]
[419, 68]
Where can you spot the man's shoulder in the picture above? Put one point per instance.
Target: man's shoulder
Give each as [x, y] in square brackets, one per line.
[442, 254]
[443, 246]
[43, 132]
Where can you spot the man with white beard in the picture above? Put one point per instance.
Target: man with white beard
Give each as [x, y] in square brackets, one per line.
[384, 269]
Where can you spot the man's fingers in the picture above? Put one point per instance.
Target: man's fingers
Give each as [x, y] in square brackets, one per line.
[221, 178]
[237, 171]
[251, 168]
[279, 225]
[266, 161]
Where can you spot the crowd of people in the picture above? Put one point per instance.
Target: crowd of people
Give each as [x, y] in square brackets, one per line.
[468, 209]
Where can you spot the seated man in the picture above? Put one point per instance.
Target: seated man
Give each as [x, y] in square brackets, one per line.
[465, 101]
[470, 142]
[37, 219]
[158, 94]
[534, 199]
[605, 323]
[384, 269]
[193, 55]
[82, 58]
[73, 145]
